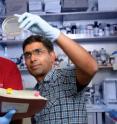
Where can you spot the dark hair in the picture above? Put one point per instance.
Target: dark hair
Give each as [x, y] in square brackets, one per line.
[37, 38]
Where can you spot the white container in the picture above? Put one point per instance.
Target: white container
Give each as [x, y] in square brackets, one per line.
[110, 90]
[107, 5]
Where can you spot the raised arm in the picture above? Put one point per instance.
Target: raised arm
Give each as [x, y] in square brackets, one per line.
[86, 66]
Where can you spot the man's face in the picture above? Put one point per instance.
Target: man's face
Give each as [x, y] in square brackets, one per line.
[38, 60]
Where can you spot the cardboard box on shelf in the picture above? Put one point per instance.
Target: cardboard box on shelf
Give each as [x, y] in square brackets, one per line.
[74, 5]
[17, 6]
[107, 5]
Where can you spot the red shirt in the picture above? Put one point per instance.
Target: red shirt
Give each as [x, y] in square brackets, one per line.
[10, 76]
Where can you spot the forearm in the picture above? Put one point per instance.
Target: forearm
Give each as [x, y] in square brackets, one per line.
[78, 55]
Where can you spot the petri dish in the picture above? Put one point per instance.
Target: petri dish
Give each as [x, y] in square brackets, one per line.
[10, 26]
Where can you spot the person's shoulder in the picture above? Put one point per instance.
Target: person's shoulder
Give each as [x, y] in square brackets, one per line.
[65, 70]
[7, 62]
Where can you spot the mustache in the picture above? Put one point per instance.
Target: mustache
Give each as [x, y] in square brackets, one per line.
[35, 63]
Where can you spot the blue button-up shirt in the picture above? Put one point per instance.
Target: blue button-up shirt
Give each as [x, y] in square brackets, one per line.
[66, 105]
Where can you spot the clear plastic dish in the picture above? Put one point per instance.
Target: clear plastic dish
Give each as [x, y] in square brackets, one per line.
[10, 26]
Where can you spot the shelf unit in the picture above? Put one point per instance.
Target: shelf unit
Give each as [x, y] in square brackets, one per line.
[81, 38]
[72, 16]
[66, 16]
[75, 16]
[86, 38]
[100, 67]
[105, 67]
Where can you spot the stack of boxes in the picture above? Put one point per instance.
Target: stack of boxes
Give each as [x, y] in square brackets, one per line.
[52, 6]
[74, 5]
[16, 6]
[35, 6]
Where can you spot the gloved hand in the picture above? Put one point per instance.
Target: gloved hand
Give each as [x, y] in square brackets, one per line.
[7, 117]
[37, 25]
[113, 114]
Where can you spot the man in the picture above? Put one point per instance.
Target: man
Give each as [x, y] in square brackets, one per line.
[10, 77]
[63, 87]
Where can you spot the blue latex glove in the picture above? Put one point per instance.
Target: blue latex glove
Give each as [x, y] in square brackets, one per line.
[113, 114]
[7, 117]
[37, 25]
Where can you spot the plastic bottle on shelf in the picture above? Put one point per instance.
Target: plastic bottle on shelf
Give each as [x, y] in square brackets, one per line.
[111, 29]
[115, 55]
[96, 28]
[73, 28]
[68, 30]
[6, 51]
[63, 30]
[101, 30]
[97, 97]
[89, 29]
[107, 30]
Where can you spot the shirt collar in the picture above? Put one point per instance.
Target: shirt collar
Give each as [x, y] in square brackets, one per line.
[49, 74]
